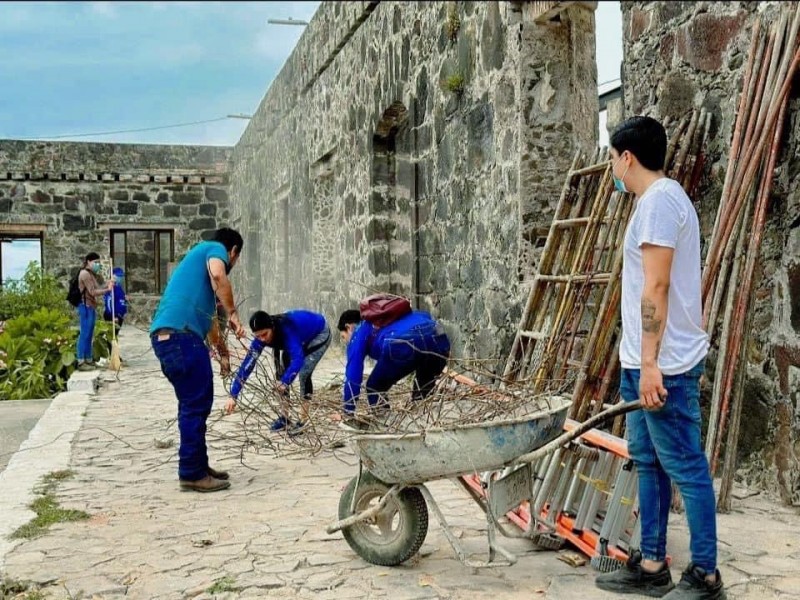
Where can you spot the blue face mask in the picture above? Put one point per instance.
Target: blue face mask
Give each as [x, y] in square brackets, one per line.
[619, 184]
[96, 267]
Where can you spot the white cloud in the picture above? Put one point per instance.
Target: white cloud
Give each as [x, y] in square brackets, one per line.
[102, 9]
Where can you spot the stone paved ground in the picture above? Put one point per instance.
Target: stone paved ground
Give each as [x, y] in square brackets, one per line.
[146, 539]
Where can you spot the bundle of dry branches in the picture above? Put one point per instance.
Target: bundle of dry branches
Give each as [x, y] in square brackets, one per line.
[455, 400]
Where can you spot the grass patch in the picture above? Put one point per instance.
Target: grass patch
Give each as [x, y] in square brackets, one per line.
[454, 83]
[220, 586]
[47, 509]
[56, 476]
[19, 590]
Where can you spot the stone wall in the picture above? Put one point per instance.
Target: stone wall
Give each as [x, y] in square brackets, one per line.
[679, 55]
[75, 194]
[414, 147]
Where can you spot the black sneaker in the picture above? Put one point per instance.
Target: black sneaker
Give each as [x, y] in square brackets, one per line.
[632, 579]
[693, 586]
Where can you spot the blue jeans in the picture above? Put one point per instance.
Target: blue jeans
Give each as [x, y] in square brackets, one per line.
[665, 445]
[317, 347]
[88, 317]
[422, 350]
[186, 364]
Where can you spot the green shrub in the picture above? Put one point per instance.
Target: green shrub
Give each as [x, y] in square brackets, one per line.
[37, 354]
[35, 290]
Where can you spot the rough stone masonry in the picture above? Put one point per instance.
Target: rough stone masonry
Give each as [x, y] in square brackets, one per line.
[419, 148]
[151, 202]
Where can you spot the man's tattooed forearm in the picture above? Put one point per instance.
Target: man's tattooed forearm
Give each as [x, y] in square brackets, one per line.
[649, 322]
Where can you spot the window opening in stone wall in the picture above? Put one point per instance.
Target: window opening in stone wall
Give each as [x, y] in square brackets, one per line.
[323, 238]
[145, 255]
[17, 252]
[389, 226]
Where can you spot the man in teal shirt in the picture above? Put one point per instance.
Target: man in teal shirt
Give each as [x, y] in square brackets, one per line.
[180, 326]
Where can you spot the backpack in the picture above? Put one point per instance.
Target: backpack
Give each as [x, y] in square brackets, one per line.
[382, 309]
[74, 295]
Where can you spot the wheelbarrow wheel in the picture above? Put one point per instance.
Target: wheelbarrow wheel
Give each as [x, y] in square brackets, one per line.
[392, 536]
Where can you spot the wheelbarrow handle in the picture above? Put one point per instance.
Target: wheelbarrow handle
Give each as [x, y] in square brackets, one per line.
[618, 409]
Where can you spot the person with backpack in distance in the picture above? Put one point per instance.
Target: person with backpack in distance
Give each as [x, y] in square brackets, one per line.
[115, 304]
[178, 333]
[83, 293]
[662, 355]
[298, 339]
[401, 341]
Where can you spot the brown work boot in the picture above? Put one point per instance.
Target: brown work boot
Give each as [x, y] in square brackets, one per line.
[218, 474]
[206, 484]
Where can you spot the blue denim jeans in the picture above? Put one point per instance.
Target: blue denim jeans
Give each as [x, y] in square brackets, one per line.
[87, 316]
[317, 347]
[665, 444]
[423, 350]
[186, 364]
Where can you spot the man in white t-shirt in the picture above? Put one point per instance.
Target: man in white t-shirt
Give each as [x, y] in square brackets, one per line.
[662, 353]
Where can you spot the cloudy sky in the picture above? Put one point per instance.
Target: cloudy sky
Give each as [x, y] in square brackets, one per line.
[72, 68]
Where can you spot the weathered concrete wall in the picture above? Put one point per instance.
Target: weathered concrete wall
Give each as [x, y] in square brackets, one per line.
[76, 193]
[415, 147]
[679, 55]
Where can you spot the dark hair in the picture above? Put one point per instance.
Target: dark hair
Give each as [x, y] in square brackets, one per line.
[347, 317]
[643, 137]
[261, 320]
[91, 256]
[229, 238]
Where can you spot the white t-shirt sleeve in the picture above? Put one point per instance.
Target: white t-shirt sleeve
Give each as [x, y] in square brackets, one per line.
[660, 220]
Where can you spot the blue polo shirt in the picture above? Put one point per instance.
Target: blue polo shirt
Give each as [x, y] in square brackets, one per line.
[188, 302]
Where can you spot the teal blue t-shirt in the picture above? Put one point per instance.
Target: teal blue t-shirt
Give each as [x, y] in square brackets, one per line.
[188, 302]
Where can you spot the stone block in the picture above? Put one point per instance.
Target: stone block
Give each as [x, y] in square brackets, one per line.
[676, 95]
[639, 23]
[151, 210]
[704, 40]
[217, 195]
[118, 195]
[202, 223]
[208, 210]
[6, 204]
[186, 198]
[380, 260]
[162, 198]
[141, 197]
[40, 197]
[77, 223]
[493, 42]
[85, 382]
[128, 208]
[171, 211]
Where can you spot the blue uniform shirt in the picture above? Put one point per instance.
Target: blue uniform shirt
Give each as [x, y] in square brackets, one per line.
[120, 302]
[368, 340]
[298, 328]
[188, 301]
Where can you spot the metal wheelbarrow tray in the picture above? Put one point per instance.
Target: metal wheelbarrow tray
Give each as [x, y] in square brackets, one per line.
[383, 511]
[445, 453]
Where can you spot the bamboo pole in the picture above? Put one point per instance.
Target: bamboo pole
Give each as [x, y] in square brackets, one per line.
[753, 251]
[741, 117]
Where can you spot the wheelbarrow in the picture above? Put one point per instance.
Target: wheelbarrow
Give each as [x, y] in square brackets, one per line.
[383, 511]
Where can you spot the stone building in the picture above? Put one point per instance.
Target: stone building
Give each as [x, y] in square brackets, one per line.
[142, 205]
[418, 148]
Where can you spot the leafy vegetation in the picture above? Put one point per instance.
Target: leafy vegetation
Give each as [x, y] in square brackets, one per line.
[35, 290]
[220, 586]
[39, 337]
[37, 354]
